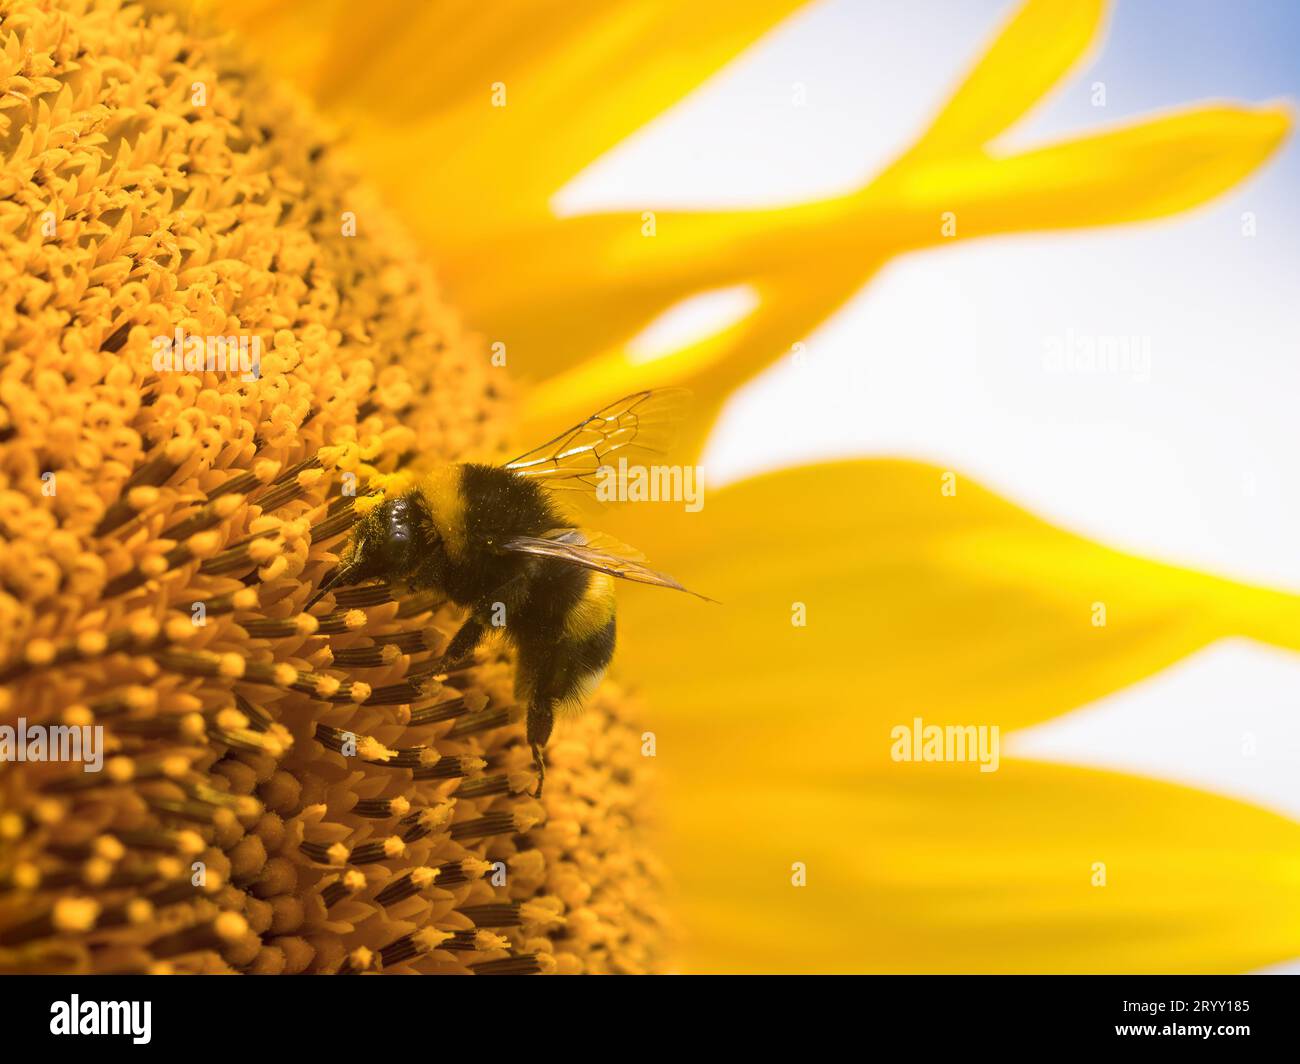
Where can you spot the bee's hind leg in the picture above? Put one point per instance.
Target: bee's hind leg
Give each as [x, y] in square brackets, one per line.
[462, 643]
[541, 718]
[540, 761]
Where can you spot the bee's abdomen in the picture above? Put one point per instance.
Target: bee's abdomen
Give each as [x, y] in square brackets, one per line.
[565, 634]
[593, 611]
[598, 648]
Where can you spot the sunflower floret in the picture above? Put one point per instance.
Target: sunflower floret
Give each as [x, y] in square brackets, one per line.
[282, 789]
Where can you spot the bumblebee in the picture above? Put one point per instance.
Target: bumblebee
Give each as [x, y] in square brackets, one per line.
[494, 540]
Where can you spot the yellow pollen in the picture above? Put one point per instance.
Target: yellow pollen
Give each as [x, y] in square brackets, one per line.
[191, 503]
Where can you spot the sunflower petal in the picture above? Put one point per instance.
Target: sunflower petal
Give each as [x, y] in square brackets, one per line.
[911, 599]
[544, 308]
[960, 609]
[475, 179]
[1148, 169]
[1036, 48]
[710, 368]
[918, 867]
[413, 84]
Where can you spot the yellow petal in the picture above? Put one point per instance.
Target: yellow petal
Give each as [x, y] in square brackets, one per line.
[565, 296]
[413, 84]
[941, 868]
[1036, 48]
[806, 261]
[960, 609]
[575, 287]
[1145, 170]
[915, 601]
[711, 367]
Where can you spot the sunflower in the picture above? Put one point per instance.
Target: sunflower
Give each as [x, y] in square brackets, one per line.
[272, 790]
[792, 840]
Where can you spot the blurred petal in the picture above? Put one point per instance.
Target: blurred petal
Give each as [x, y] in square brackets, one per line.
[579, 286]
[806, 261]
[413, 85]
[1145, 170]
[915, 601]
[961, 610]
[941, 868]
[1036, 48]
[711, 368]
[566, 295]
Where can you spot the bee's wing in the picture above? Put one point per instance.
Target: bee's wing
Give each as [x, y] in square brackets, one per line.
[570, 545]
[637, 426]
